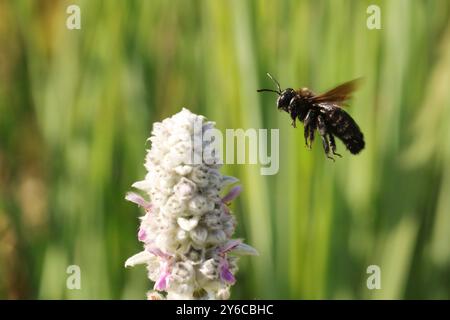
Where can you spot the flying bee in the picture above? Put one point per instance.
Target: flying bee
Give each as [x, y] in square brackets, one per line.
[322, 112]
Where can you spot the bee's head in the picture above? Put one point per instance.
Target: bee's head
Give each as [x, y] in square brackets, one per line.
[285, 97]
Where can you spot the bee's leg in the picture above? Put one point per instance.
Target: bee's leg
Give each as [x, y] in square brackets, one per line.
[310, 127]
[312, 130]
[333, 145]
[293, 117]
[293, 110]
[323, 134]
[306, 135]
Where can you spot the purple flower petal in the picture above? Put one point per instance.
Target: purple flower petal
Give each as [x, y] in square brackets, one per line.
[135, 198]
[229, 246]
[225, 273]
[225, 208]
[232, 194]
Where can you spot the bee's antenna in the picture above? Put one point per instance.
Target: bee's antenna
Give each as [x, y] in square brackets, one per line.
[275, 80]
[270, 90]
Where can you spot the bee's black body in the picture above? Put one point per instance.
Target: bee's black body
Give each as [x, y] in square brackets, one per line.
[340, 124]
[324, 113]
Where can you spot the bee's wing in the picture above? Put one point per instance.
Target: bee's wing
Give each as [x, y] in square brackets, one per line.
[339, 94]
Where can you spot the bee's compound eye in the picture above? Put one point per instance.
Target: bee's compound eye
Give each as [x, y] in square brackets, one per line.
[284, 98]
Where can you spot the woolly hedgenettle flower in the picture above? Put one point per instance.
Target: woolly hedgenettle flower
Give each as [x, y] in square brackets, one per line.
[187, 226]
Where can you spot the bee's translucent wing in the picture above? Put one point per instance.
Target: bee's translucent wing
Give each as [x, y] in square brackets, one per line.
[339, 94]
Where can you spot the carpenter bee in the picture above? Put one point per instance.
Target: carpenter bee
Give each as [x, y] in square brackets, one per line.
[323, 112]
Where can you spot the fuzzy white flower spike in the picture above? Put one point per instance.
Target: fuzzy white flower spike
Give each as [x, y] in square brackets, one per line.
[187, 226]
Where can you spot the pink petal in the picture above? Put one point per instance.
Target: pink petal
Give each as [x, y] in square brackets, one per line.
[159, 253]
[232, 194]
[142, 235]
[161, 284]
[135, 198]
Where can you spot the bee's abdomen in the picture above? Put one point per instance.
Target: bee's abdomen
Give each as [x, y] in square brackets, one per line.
[342, 125]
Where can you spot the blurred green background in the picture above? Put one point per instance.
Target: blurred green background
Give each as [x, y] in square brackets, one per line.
[76, 108]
